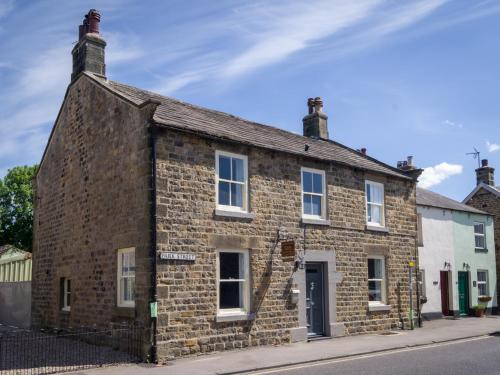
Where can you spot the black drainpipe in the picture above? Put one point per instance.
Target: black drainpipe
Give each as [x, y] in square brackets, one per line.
[153, 255]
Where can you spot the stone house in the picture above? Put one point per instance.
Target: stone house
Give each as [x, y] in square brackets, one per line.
[456, 257]
[486, 197]
[213, 231]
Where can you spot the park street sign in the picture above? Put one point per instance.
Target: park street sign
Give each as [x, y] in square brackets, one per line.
[168, 255]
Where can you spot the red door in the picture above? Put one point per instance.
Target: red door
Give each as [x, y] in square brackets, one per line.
[445, 306]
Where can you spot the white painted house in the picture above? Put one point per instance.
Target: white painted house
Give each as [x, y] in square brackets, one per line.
[456, 255]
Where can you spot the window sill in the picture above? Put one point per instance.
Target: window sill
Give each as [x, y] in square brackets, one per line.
[66, 310]
[316, 221]
[376, 228]
[480, 250]
[124, 312]
[235, 214]
[233, 317]
[379, 307]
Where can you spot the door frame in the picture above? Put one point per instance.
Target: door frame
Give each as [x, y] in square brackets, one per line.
[322, 267]
[332, 277]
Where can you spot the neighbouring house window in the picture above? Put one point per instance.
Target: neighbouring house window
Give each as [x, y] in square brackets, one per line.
[126, 278]
[233, 282]
[231, 181]
[421, 282]
[313, 194]
[420, 234]
[376, 280]
[482, 283]
[375, 203]
[479, 235]
[66, 294]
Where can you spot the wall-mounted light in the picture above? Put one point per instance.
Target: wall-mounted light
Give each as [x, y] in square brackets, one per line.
[447, 265]
[466, 266]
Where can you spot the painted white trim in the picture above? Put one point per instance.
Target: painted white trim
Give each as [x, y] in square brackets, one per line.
[323, 196]
[119, 301]
[66, 306]
[487, 187]
[487, 282]
[381, 205]
[244, 184]
[237, 314]
[477, 234]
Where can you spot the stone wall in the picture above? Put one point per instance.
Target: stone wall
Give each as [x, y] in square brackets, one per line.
[488, 202]
[92, 194]
[187, 223]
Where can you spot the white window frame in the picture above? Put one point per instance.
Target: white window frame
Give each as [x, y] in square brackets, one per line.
[323, 195]
[66, 293]
[244, 184]
[383, 286]
[245, 309]
[483, 235]
[119, 295]
[486, 283]
[381, 205]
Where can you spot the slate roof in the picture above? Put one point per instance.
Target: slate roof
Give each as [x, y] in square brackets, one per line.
[184, 116]
[431, 199]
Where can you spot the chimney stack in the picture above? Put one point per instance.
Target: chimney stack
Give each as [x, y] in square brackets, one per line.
[485, 174]
[88, 53]
[316, 122]
[409, 168]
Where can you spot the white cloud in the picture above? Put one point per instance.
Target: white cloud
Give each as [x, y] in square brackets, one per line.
[492, 147]
[435, 175]
[453, 124]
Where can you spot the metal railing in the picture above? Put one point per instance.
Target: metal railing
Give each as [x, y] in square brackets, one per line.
[50, 351]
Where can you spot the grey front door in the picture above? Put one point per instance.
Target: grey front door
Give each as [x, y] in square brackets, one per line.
[315, 299]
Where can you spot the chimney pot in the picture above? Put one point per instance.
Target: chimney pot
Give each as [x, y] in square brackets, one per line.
[484, 163]
[310, 105]
[94, 18]
[363, 150]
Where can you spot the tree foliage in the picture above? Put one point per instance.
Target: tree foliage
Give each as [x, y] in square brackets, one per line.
[16, 207]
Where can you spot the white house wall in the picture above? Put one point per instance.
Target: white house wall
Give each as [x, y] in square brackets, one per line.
[437, 229]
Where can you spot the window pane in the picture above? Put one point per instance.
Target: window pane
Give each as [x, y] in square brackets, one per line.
[479, 228]
[480, 242]
[224, 167]
[374, 214]
[237, 195]
[375, 269]
[68, 286]
[375, 291]
[307, 204]
[307, 182]
[316, 205]
[374, 193]
[317, 183]
[224, 193]
[231, 295]
[229, 264]
[238, 170]
[128, 285]
[131, 264]
[481, 276]
[482, 289]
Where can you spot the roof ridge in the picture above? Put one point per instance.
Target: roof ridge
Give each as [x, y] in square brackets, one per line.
[465, 207]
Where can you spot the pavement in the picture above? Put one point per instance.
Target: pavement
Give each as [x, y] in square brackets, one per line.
[262, 358]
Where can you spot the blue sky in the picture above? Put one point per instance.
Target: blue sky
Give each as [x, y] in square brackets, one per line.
[400, 78]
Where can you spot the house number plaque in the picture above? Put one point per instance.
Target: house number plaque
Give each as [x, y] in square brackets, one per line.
[167, 255]
[288, 249]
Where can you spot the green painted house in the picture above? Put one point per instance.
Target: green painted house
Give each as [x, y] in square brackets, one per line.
[456, 256]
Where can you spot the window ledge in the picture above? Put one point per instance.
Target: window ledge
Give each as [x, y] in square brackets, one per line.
[65, 310]
[376, 228]
[316, 221]
[236, 214]
[379, 307]
[234, 317]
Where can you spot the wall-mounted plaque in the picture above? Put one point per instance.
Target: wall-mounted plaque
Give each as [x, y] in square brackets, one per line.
[288, 249]
[167, 255]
